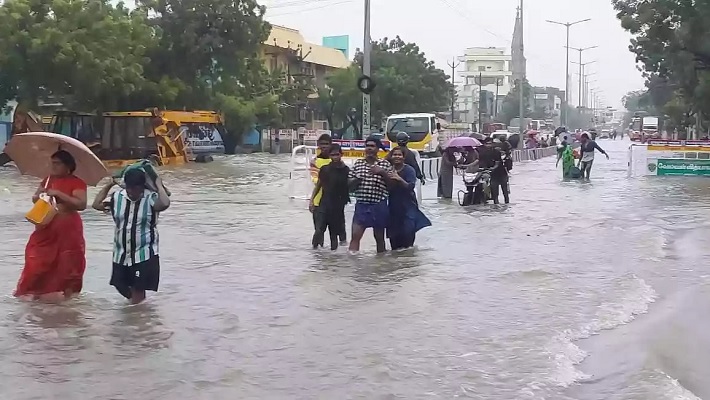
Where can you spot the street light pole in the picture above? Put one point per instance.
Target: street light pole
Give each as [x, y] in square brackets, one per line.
[582, 76]
[522, 77]
[567, 25]
[367, 49]
[480, 102]
[581, 67]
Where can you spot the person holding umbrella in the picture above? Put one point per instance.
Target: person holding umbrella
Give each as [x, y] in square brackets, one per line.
[55, 253]
[445, 186]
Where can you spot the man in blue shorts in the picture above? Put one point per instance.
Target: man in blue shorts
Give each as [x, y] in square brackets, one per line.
[368, 177]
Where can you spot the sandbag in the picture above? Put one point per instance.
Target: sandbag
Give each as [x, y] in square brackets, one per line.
[151, 174]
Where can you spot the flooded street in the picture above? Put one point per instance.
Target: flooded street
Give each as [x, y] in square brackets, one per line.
[575, 291]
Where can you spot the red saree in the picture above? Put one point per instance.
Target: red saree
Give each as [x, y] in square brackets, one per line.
[55, 254]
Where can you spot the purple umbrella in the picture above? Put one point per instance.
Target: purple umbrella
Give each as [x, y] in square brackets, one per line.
[463, 141]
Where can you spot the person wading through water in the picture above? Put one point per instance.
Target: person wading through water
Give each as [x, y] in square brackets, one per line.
[586, 155]
[491, 158]
[318, 162]
[410, 158]
[136, 263]
[332, 185]
[405, 217]
[368, 178]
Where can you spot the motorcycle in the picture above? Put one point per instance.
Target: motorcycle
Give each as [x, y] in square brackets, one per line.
[478, 188]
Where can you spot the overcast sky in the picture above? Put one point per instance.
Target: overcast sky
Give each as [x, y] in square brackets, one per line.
[444, 28]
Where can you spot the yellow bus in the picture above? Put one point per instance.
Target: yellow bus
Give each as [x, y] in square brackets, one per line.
[423, 130]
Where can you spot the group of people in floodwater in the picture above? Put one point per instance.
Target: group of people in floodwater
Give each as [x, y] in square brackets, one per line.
[494, 156]
[55, 258]
[383, 188]
[567, 155]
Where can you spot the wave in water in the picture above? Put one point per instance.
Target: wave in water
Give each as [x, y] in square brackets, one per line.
[566, 355]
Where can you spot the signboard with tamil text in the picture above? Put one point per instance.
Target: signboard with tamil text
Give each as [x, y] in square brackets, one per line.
[666, 167]
[203, 137]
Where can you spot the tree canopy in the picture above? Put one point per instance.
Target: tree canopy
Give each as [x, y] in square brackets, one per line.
[96, 55]
[86, 52]
[669, 40]
[93, 55]
[406, 82]
[511, 103]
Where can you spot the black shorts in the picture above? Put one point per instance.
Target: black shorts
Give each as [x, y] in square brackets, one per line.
[141, 276]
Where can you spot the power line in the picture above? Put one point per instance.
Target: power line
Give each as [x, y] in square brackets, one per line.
[306, 10]
[294, 3]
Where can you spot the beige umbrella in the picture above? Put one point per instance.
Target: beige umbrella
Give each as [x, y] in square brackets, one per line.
[32, 154]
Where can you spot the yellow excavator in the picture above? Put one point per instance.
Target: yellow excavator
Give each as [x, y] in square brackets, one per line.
[122, 138]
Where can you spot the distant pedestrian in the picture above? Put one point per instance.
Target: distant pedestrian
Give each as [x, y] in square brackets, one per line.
[445, 185]
[586, 155]
[566, 155]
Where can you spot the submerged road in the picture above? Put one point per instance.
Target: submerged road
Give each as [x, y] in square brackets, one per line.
[575, 291]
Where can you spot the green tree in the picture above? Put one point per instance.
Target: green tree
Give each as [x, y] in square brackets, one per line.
[670, 42]
[511, 104]
[406, 82]
[209, 57]
[340, 95]
[87, 54]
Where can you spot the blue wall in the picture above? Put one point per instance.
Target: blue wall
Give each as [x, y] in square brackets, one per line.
[251, 138]
[5, 129]
[341, 43]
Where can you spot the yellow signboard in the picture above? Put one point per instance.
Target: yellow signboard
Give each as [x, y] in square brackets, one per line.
[360, 154]
[679, 148]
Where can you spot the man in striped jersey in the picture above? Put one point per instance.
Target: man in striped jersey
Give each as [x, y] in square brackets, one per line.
[136, 263]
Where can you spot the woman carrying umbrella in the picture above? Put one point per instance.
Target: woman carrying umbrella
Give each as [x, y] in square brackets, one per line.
[54, 255]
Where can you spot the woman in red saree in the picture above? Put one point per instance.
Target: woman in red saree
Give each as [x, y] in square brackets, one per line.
[55, 254]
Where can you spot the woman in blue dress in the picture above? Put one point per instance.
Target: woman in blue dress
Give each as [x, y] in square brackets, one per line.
[405, 217]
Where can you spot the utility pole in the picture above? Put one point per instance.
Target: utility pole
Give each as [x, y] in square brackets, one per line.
[581, 68]
[587, 82]
[480, 103]
[367, 49]
[567, 25]
[522, 77]
[453, 66]
[495, 109]
[582, 76]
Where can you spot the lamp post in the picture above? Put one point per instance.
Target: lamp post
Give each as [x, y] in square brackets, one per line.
[567, 25]
[581, 67]
[367, 49]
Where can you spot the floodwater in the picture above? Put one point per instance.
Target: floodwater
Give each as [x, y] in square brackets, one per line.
[575, 291]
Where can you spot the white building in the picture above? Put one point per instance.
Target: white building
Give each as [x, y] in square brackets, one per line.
[482, 68]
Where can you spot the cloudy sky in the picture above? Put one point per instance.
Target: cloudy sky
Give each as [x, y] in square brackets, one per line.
[444, 28]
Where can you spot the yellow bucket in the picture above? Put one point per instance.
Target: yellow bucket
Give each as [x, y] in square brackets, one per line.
[42, 212]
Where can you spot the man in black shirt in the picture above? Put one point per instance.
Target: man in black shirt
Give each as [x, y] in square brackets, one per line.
[330, 214]
[491, 157]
